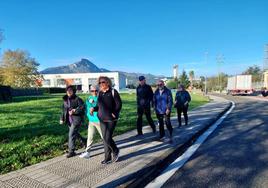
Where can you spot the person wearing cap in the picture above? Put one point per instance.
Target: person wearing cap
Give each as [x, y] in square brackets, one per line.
[93, 120]
[162, 104]
[144, 100]
[182, 101]
[72, 115]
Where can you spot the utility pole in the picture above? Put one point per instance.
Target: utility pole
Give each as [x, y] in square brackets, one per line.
[206, 61]
[220, 60]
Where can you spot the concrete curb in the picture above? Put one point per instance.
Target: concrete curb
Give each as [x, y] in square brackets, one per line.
[142, 177]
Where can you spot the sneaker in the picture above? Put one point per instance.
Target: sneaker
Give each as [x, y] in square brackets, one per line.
[71, 154]
[116, 156]
[85, 155]
[104, 162]
[162, 139]
[170, 140]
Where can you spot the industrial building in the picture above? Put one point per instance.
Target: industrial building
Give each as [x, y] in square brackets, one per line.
[83, 81]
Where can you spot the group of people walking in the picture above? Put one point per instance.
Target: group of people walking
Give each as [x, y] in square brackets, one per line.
[162, 102]
[102, 109]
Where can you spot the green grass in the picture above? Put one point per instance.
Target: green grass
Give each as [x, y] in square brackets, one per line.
[30, 132]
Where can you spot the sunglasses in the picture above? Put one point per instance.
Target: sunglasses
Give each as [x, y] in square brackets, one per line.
[160, 84]
[93, 91]
[103, 82]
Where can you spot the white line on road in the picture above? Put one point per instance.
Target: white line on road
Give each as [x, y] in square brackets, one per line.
[179, 162]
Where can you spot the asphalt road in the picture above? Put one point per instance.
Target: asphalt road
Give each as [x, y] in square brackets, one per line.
[235, 155]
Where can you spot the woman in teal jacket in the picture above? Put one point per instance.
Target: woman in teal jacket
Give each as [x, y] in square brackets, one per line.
[93, 120]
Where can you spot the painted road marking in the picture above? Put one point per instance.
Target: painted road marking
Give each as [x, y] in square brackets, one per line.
[179, 162]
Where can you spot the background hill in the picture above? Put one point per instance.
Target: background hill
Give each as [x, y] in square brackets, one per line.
[86, 66]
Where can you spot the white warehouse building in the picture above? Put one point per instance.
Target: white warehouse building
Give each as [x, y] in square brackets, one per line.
[83, 81]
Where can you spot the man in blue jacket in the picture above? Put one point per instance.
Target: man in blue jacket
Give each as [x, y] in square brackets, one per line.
[163, 103]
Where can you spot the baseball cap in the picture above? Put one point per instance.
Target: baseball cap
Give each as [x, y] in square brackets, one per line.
[141, 78]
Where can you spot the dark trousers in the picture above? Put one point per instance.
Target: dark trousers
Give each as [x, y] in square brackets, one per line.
[161, 118]
[182, 109]
[147, 112]
[73, 135]
[107, 129]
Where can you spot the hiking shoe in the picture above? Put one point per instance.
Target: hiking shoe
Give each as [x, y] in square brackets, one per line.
[139, 135]
[85, 155]
[70, 154]
[104, 162]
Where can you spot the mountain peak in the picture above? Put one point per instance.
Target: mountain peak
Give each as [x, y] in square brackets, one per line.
[86, 66]
[82, 66]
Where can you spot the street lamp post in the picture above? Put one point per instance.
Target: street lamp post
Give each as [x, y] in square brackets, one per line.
[206, 61]
[220, 59]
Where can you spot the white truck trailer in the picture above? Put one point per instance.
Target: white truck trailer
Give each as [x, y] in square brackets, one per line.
[240, 85]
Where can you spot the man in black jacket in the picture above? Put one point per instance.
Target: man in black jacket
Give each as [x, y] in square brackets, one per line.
[72, 115]
[144, 100]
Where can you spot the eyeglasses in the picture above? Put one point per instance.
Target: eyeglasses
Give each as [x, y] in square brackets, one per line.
[103, 82]
[93, 91]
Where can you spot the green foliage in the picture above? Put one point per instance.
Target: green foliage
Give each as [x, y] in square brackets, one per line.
[30, 130]
[217, 83]
[52, 90]
[191, 77]
[184, 80]
[256, 73]
[172, 84]
[18, 69]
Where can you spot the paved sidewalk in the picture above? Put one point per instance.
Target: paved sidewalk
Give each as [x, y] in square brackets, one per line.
[139, 157]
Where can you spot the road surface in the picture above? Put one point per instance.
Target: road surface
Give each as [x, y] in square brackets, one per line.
[235, 155]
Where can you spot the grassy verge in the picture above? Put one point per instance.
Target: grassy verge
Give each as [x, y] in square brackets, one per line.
[30, 133]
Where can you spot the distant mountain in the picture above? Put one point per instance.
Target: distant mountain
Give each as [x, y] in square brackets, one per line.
[82, 66]
[86, 66]
[133, 77]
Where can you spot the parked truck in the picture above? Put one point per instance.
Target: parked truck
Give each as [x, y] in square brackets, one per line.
[240, 85]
